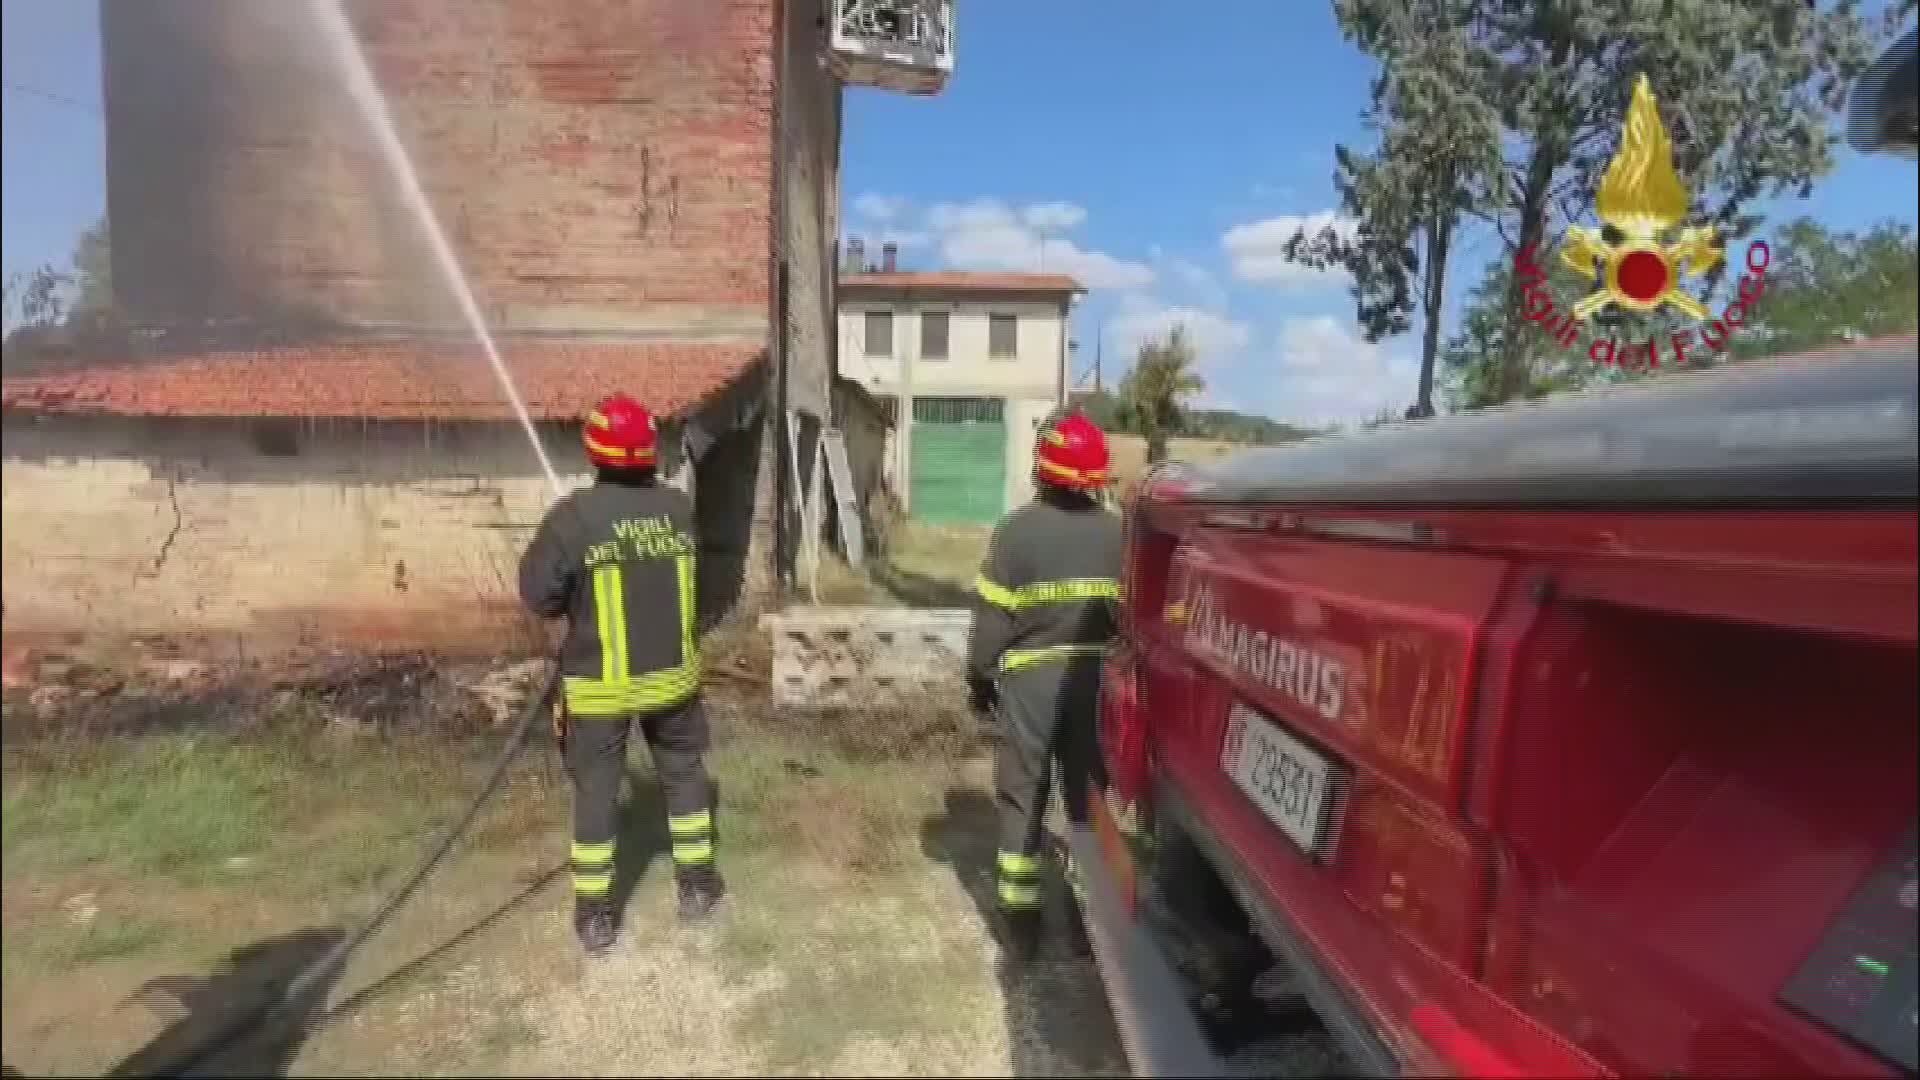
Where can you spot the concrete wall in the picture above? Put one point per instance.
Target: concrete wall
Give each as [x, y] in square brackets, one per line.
[863, 420]
[810, 171]
[1024, 418]
[601, 165]
[279, 532]
[1028, 382]
[970, 369]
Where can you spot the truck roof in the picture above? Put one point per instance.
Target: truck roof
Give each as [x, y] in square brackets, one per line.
[1836, 427]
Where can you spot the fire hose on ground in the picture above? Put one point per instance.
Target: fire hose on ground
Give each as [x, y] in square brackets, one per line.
[291, 999]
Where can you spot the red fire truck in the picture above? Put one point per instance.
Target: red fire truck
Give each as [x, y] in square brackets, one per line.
[1569, 739]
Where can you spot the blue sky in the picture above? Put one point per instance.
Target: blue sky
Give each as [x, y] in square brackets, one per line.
[1156, 150]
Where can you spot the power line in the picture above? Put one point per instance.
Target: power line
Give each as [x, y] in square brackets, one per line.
[57, 99]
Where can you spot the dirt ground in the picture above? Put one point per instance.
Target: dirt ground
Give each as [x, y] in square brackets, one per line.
[176, 845]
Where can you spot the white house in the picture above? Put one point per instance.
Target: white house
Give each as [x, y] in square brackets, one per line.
[970, 364]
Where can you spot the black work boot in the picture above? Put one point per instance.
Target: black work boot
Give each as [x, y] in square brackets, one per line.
[593, 923]
[1020, 933]
[701, 889]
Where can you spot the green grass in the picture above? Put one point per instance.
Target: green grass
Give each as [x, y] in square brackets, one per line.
[924, 566]
[62, 945]
[182, 806]
[803, 799]
[212, 809]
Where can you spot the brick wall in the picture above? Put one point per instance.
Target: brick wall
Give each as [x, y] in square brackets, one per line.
[335, 531]
[602, 165]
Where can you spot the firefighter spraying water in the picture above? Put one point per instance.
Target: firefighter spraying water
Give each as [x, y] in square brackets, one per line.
[617, 559]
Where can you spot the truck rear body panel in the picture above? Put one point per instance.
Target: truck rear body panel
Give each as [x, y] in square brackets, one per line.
[1595, 781]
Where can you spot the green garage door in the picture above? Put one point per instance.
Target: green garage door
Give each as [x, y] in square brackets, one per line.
[959, 460]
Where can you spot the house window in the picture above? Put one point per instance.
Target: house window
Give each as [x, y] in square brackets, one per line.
[879, 333]
[933, 335]
[1003, 336]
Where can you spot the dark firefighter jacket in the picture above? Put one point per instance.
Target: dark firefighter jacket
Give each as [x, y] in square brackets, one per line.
[618, 561]
[1049, 590]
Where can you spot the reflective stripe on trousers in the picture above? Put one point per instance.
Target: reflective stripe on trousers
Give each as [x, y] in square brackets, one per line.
[592, 869]
[692, 838]
[1016, 659]
[1019, 880]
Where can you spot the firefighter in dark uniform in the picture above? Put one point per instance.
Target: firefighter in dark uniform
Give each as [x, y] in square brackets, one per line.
[1045, 609]
[617, 558]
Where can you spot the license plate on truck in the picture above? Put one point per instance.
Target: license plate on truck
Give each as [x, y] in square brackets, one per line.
[1291, 782]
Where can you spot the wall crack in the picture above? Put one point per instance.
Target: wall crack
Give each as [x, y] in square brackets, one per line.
[179, 519]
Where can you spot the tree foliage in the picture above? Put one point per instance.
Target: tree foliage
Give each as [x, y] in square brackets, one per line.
[1225, 425]
[1470, 369]
[1746, 88]
[1402, 202]
[1821, 288]
[1826, 288]
[1511, 113]
[1155, 391]
[44, 297]
[92, 271]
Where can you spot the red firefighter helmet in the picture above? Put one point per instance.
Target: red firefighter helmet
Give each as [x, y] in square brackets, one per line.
[619, 434]
[1072, 453]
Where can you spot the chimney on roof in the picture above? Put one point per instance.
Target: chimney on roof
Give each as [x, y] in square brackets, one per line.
[889, 257]
[856, 254]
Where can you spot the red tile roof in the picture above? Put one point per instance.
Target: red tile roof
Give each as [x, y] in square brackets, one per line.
[964, 281]
[559, 381]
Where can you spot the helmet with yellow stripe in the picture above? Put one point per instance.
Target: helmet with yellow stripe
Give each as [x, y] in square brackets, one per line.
[619, 434]
[1072, 453]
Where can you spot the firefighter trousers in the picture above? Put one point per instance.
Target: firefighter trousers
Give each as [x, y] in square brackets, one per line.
[597, 758]
[1047, 716]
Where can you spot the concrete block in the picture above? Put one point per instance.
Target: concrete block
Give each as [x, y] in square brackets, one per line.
[847, 657]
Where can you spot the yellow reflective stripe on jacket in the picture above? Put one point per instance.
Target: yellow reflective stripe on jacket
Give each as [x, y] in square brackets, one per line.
[1015, 659]
[617, 691]
[689, 618]
[1046, 592]
[591, 697]
[997, 595]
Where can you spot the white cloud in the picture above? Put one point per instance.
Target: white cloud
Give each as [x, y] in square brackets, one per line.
[1200, 283]
[1257, 250]
[1326, 374]
[1194, 274]
[987, 234]
[876, 207]
[1214, 335]
[1054, 215]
